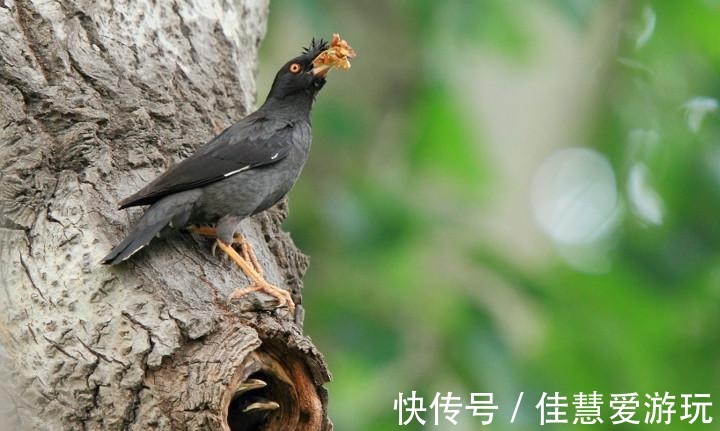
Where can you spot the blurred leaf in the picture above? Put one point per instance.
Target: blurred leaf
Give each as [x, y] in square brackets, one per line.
[342, 125]
[577, 11]
[493, 22]
[382, 219]
[444, 146]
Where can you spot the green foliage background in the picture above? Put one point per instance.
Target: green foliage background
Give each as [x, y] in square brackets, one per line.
[406, 291]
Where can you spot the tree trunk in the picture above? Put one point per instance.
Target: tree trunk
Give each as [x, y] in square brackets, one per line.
[96, 98]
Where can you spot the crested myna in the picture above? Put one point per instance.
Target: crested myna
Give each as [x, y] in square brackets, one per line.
[244, 170]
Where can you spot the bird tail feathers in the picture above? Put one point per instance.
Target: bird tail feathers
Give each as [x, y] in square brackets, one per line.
[141, 235]
[177, 207]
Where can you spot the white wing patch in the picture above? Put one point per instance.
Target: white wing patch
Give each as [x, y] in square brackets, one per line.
[236, 171]
[274, 157]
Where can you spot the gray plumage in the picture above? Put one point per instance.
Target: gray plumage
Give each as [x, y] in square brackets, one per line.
[245, 170]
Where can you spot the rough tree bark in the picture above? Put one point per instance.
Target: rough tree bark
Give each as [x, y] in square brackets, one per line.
[96, 98]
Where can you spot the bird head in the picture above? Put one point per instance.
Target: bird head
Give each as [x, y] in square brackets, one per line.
[299, 76]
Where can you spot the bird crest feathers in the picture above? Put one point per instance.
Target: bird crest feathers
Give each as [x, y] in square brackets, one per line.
[315, 48]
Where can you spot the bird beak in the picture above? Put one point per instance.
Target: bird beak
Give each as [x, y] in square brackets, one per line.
[321, 70]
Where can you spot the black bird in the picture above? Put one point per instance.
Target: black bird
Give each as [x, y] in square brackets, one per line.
[245, 170]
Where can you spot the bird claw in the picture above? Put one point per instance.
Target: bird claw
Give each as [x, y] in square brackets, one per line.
[283, 297]
[257, 280]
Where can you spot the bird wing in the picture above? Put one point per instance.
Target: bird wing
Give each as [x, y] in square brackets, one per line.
[250, 143]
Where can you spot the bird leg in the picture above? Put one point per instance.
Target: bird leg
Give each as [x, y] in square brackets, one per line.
[204, 230]
[247, 252]
[250, 266]
[258, 281]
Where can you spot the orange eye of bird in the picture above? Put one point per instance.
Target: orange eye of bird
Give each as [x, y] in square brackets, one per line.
[295, 68]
